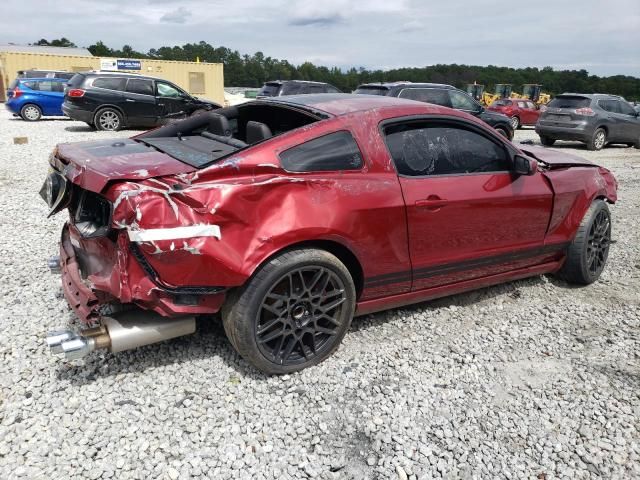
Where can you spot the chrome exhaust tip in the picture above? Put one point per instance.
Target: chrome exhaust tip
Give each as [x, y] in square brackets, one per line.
[54, 264]
[55, 339]
[78, 347]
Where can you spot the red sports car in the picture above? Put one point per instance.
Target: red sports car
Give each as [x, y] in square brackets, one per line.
[520, 111]
[290, 216]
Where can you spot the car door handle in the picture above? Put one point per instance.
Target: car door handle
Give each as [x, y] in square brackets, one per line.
[432, 202]
[129, 100]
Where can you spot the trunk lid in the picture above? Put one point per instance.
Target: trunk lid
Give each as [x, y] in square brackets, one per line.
[91, 165]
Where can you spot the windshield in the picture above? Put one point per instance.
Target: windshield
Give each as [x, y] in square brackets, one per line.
[269, 90]
[569, 102]
[372, 90]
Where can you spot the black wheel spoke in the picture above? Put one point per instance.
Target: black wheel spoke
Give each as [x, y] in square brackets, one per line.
[598, 242]
[300, 315]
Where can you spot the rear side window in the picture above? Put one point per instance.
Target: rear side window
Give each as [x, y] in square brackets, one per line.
[569, 102]
[140, 86]
[45, 86]
[332, 89]
[76, 80]
[292, 89]
[336, 151]
[30, 84]
[269, 90]
[608, 105]
[428, 95]
[110, 83]
[443, 149]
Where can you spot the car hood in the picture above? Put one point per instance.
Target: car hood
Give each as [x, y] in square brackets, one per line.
[92, 165]
[556, 159]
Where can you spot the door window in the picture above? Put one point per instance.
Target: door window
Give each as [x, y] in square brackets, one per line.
[140, 86]
[166, 90]
[462, 101]
[428, 95]
[443, 149]
[336, 151]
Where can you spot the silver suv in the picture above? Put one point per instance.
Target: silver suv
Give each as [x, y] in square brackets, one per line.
[594, 119]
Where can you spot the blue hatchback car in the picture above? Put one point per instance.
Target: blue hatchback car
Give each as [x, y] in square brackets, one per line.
[33, 98]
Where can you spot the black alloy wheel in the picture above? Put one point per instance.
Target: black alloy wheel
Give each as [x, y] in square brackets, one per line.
[300, 314]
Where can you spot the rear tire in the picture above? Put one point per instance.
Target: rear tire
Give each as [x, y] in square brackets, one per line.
[108, 119]
[598, 141]
[546, 141]
[293, 312]
[587, 254]
[515, 123]
[31, 112]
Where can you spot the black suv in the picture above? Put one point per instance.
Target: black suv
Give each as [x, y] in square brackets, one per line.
[440, 94]
[111, 101]
[277, 88]
[595, 119]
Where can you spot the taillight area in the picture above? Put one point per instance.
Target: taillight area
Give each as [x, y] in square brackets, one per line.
[586, 111]
[17, 92]
[75, 93]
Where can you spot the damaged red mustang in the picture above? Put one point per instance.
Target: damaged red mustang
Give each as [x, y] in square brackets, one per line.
[291, 215]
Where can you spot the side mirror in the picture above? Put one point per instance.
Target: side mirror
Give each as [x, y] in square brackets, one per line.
[524, 166]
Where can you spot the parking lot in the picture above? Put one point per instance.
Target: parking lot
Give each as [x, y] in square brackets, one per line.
[532, 379]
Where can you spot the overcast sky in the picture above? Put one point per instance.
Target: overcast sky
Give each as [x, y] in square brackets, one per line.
[601, 36]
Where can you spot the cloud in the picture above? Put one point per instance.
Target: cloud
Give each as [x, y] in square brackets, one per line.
[321, 20]
[411, 26]
[179, 15]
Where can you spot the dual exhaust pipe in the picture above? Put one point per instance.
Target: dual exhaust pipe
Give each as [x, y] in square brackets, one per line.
[130, 330]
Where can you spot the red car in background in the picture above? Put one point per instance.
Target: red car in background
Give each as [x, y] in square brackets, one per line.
[520, 111]
[290, 216]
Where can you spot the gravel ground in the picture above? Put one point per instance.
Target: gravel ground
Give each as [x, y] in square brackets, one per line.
[532, 379]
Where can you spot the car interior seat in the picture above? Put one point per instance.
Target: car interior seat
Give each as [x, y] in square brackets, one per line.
[257, 132]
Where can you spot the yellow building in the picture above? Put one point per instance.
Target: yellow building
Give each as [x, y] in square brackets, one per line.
[205, 80]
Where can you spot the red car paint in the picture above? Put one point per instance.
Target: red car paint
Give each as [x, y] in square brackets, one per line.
[401, 244]
[525, 110]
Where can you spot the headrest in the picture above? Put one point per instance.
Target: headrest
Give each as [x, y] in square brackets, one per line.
[256, 132]
[219, 125]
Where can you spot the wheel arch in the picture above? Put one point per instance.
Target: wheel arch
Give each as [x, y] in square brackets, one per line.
[338, 249]
[109, 105]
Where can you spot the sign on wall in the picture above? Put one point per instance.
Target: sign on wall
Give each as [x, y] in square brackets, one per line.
[113, 64]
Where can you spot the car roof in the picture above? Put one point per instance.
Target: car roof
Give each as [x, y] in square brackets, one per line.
[337, 104]
[407, 84]
[589, 95]
[48, 79]
[282, 82]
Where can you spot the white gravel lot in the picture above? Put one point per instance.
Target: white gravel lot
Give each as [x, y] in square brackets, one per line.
[532, 379]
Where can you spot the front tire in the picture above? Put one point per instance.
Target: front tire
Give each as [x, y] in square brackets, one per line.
[546, 141]
[31, 112]
[504, 132]
[598, 141]
[293, 313]
[108, 119]
[587, 254]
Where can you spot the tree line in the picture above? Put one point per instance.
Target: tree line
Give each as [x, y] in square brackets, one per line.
[242, 70]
